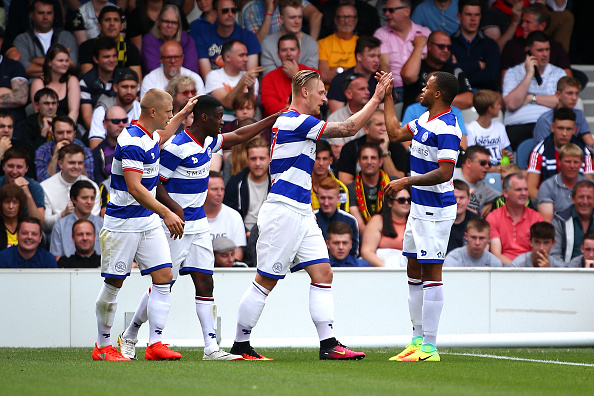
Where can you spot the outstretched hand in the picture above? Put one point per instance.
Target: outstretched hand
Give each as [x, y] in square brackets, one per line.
[383, 81]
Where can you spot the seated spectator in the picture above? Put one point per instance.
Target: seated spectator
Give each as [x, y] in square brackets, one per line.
[475, 54]
[126, 88]
[171, 56]
[224, 253]
[244, 108]
[542, 240]
[14, 86]
[12, 209]
[339, 242]
[394, 160]
[234, 78]
[27, 253]
[416, 71]
[475, 253]
[168, 28]
[276, 85]
[337, 51]
[15, 167]
[586, 259]
[487, 132]
[56, 75]
[143, 18]
[415, 110]
[181, 88]
[111, 26]
[525, 99]
[291, 19]
[473, 172]
[544, 161]
[508, 170]
[211, 38]
[57, 201]
[574, 222]
[84, 24]
[46, 156]
[37, 128]
[463, 215]
[115, 121]
[83, 195]
[382, 241]
[368, 20]
[246, 191]
[554, 194]
[203, 11]
[84, 234]
[437, 15]
[263, 18]
[321, 171]
[510, 224]
[223, 221]
[356, 92]
[328, 212]
[568, 91]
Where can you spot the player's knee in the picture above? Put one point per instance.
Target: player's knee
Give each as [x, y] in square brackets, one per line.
[163, 275]
[204, 285]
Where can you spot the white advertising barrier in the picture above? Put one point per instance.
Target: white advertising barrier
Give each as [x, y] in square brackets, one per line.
[483, 307]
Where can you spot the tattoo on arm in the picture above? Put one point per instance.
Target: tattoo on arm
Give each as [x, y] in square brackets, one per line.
[339, 129]
[428, 179]
[17, 97]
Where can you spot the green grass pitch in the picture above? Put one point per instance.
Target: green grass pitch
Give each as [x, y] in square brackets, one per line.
[299, 372]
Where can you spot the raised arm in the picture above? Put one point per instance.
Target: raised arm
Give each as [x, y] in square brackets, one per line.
[247, 132]
[176, 121]
[396, 132]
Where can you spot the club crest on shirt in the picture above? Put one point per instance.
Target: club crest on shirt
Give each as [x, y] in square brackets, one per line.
[424, 137]
[209, 152]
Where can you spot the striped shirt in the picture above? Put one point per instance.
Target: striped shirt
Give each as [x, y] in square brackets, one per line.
[434, 140]
[136, 151]
[185, 165]
[293, 154]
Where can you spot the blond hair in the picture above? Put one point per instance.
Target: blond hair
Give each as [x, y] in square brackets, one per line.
[571, 150]
[302, 79]
[154, 98]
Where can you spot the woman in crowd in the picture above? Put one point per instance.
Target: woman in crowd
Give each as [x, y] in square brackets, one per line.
[12, 208]
[143, 17]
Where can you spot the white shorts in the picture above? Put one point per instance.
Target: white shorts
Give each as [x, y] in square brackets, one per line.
[426, 240]
[119, 249]
[287, 240]
[191, 253]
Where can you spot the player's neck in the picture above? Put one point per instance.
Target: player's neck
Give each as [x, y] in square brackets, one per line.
[438, 108]
[484, 121]
[299, 106]
[197, 134]
[146, 123]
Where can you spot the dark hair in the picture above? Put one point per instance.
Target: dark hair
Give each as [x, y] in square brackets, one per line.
[31, 220]
[63, 118]
[447, 84]
[287, 37]
[81, 221]
[16, 152]
[51, 54]
[339, 228]
[45, 91]
[282, 4]
[228, 46]
[11, 190]
[542, 230]
[212, 174]
[462, 186]
[110, 8]
[564, 113]
[349, 79]
[586, 183]
[6, 114]
[463, 3]
[78, 186]
[476, 149]
[535, 36]
[540, 12]
[366, 42]
[372, 146]
[205, 104]
[388, 229]
[70, 149]
[46, 2]
[323, 145]
[589, 235]
[103, 43]
[240, 100]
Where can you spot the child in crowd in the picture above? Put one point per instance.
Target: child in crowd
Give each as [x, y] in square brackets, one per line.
[542, 239]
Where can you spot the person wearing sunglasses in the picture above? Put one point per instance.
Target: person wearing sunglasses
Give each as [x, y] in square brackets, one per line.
[116, 119]
[437, 15]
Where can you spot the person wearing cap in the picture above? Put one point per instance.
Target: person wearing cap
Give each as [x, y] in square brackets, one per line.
[125, 85]
[224, 253]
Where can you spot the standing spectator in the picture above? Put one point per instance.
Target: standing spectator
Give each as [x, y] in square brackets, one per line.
[321, 170]
[27, 253]
[438, 15]
[474, 254]
[115, 121]
[339, 242]
[542, 240]
[586, 259]
[14, 86]
[12, 209]
[84, 234]
[463, 215]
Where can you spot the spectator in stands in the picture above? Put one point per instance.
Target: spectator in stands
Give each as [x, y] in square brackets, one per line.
[168, 28]
[57, 187]
[56, 75]
[554, 194]
[382, 241]
[525, 99]
[395, 159]
[463, 215]
[14, 86]
[8, 140]
[83, 194]
[12, 209]
[437, 15]
[542, 239]
[475, 54]
[181, 88]
[574, 222]
[543, 162]
[234, 78]
[337, 51]
[291, 19]
[236, 161]
[246, 191]
[203, 12]
[415, 71]
[98, 80]
[141, 19]
[368, 20]
[223, 221]
[328, 212]
[502, 20]
[475, 253]
[46, 156]
[321, 171]
[586, 259]
[15, 167]
[171, 57]
[126, 88]
[115, 121]
[85, 22]
[367, 57]
[111, 25]
[244, 108]
[84, 235]
[35, 42]
[510, 224]
[568, 91]
[356, 92]
[276, 85]
[508, 170]
[211, 38]
[37, 128]
[263, 17]
[398, 38]
[473, 171]
[224, 253]
[339, 242]
[27, 253]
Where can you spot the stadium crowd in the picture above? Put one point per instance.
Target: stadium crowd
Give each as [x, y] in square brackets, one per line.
[73, 74]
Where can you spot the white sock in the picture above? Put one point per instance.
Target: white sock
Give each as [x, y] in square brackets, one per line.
[321, 309]
[415, 305]
[432, 306]
[250, 309]
[204, 311]
[140, 317]
[158, 309]
[105, 309]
